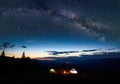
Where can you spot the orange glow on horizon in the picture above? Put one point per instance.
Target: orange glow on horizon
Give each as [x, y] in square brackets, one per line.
[27, 54]
[45, 58]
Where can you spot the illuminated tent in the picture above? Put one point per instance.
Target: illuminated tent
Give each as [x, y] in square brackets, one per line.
[73, 71]
[52, 71]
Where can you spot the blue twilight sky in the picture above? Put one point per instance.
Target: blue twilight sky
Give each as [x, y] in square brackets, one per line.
[59, 25]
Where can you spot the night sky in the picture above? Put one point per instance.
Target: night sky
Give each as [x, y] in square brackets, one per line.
[44, 26]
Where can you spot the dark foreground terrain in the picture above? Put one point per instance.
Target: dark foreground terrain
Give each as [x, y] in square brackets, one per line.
[45, 78]
[28, 71]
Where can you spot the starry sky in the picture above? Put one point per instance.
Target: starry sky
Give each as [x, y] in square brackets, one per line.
[59, 25]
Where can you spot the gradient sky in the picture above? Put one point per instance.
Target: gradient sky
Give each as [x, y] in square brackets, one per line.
[59, 25]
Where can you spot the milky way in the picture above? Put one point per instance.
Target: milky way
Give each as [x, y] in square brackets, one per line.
[64, 24]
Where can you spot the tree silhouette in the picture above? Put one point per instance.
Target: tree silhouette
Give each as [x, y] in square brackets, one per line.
[6, 45]
[23, 54]
[3, 53]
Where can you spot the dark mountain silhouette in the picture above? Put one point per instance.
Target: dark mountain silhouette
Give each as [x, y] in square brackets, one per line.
[27, 70]
[11, 65]
[103, 65]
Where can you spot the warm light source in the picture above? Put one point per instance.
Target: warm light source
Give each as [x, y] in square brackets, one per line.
[73, 71]
[64, 72]
[52, 71]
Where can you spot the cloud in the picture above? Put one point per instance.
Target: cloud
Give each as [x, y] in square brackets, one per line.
[92, 50]
[23, 46]
[115, 49]
[62, 52]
